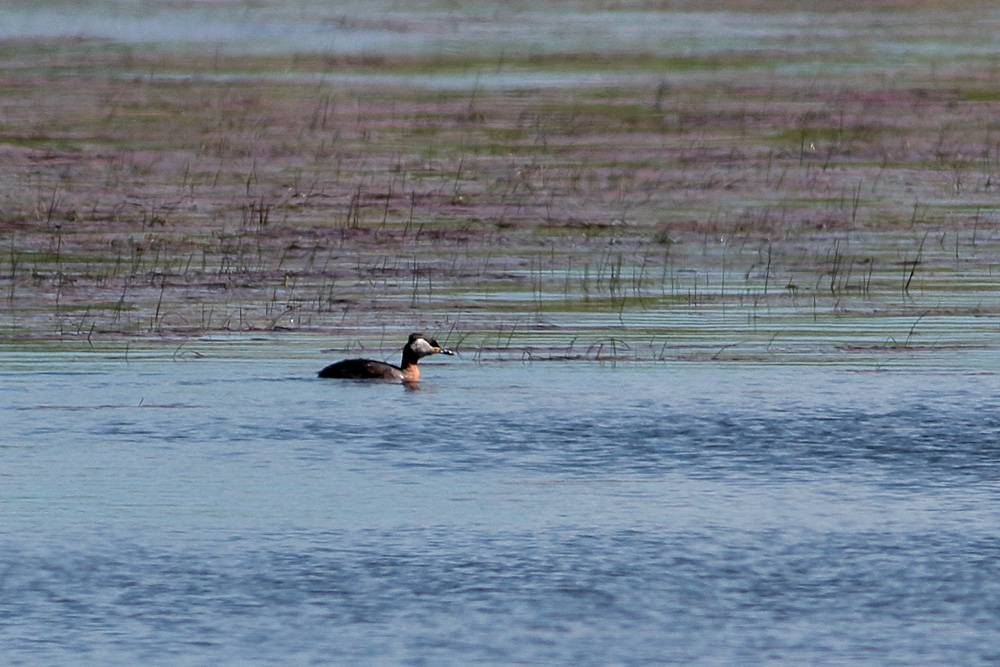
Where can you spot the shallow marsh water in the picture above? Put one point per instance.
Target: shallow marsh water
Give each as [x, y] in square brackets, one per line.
[234, 508]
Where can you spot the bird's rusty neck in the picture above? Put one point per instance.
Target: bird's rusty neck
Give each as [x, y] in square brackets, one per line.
[411, 373]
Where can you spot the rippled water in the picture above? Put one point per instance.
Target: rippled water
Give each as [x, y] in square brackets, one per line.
[232, 509]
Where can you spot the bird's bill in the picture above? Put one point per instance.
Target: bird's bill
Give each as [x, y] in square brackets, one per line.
[438, 349]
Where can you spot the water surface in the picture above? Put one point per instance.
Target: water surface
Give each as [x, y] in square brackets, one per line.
[234, 509]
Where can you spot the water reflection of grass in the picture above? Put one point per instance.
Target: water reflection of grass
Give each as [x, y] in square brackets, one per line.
[159, 194]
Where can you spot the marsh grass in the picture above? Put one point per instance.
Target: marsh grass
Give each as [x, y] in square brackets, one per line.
[689, 208]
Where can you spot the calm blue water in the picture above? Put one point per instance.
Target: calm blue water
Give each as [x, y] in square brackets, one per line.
[234, 510]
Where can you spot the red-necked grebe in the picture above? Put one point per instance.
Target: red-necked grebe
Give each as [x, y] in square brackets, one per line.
[415, 349]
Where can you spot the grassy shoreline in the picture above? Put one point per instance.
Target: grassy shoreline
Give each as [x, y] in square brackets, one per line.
[807, 200]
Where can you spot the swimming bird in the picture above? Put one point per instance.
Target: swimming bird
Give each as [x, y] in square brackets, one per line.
[417, 347]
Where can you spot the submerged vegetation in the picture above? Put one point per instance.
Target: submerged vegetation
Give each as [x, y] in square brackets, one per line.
[784, 195]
